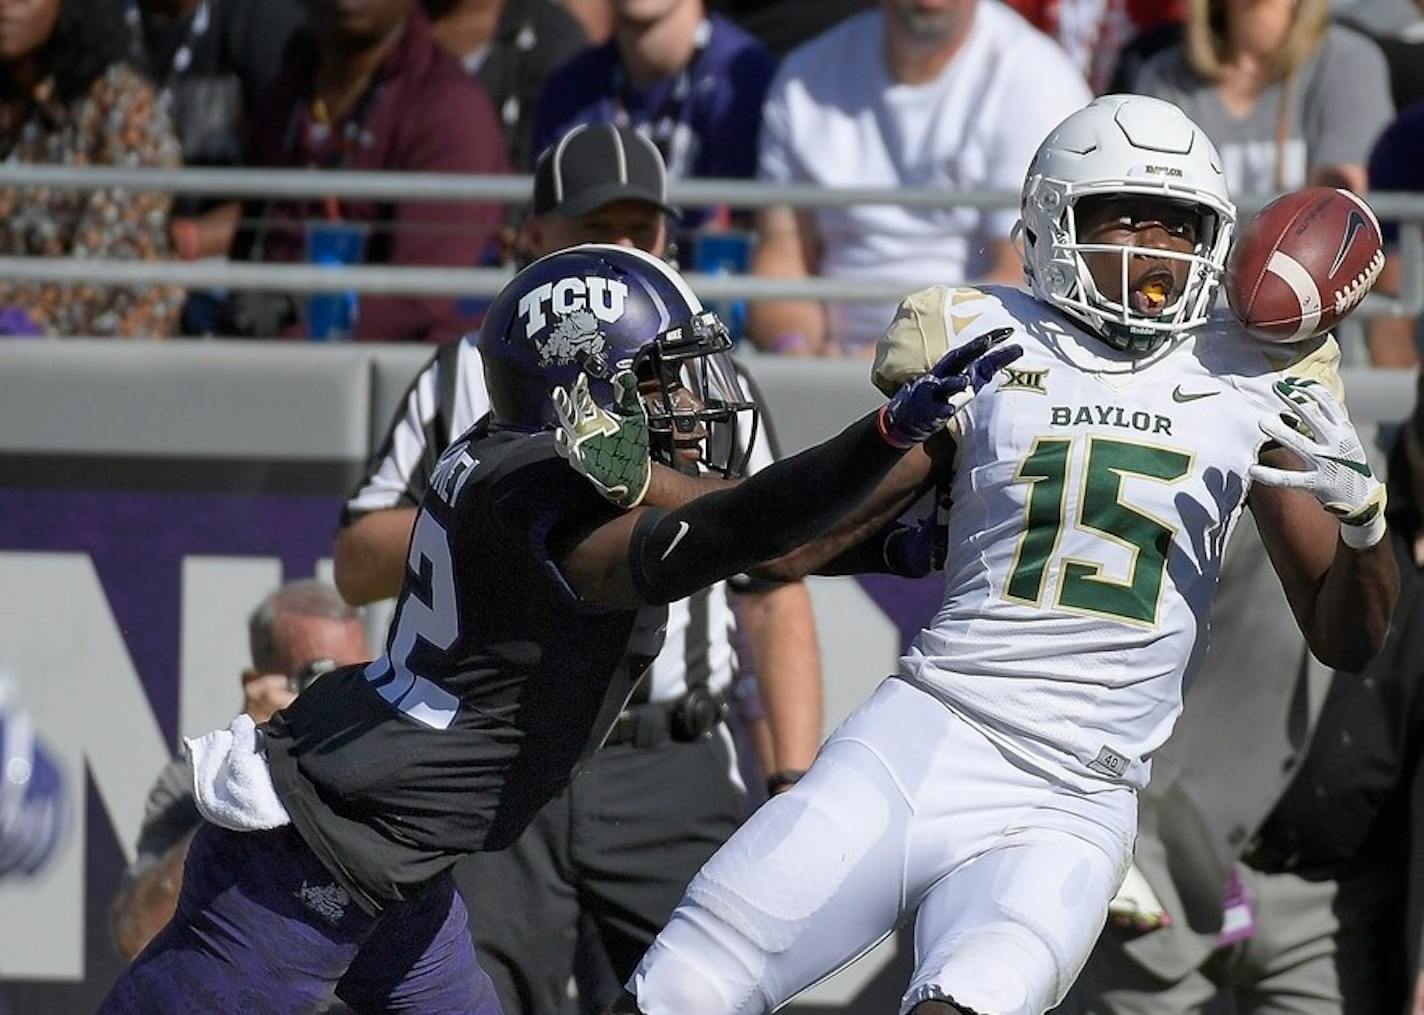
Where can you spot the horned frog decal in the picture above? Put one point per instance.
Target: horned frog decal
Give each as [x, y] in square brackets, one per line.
[573, 338]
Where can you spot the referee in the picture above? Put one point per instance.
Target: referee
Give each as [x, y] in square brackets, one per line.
[621, 843]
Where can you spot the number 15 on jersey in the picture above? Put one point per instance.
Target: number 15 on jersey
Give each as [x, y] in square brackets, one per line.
[1097, 508]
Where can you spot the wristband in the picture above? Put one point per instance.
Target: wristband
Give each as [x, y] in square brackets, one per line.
[1362, 537]
[778, 781]
[885, 427]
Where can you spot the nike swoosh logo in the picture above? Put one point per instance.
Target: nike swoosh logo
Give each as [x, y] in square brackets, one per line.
[1353, 225]
[1361, 467]
[1178, 395]
[682, 530]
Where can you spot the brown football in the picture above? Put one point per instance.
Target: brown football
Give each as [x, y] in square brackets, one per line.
[1303, 263]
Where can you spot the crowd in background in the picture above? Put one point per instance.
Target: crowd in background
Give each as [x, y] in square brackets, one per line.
[944, 95]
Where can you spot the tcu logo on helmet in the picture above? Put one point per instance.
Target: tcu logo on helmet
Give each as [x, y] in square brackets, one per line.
[604, 298]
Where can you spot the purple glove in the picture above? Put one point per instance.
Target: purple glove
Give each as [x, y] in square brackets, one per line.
[910, 549]
[921, 408]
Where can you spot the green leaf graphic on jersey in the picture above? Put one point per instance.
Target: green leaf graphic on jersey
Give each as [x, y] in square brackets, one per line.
[1083, 586]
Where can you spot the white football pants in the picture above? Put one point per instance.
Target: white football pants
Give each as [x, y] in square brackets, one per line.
[908, 809]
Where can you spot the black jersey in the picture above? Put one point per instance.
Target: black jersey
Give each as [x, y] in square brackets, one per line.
[495, 683]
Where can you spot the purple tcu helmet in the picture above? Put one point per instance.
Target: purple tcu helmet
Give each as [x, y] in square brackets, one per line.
[598, 309]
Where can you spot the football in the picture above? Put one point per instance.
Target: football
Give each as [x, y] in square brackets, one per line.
[1303, 263]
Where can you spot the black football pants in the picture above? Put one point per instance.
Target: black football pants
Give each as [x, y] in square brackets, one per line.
[620, 845]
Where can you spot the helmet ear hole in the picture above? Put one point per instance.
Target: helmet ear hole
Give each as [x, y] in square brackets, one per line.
[595, 365]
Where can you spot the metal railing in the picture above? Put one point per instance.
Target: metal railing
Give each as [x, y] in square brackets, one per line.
[1405, 209]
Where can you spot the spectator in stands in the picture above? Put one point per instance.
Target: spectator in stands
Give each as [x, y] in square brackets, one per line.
[1397, 163]
[1150, 39]
[955, 95]
[510, 46]
[211, 60]
[66, 97]
[295, 634]
[596, 16]
[783, 25]
[693, 82]
[1397, 27]
[1291, 877]
[370, 88]
[1094, 33]
[620, 844]
[1289, 99]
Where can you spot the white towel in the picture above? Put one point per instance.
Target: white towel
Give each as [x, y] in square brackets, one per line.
[231, 780]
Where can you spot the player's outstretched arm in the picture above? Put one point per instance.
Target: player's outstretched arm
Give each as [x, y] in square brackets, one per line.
[659, 556]
[1320, 511]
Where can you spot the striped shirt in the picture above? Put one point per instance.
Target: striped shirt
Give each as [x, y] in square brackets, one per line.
[445, 400]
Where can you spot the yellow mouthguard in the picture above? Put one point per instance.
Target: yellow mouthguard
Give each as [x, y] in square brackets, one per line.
[1156, 294]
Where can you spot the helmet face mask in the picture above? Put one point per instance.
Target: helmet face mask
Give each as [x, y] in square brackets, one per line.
[698, 414]
[600, 309]
[1124, 147]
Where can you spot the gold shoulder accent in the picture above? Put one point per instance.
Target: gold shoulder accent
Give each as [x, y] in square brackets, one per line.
[916, 339]
[1317, 360]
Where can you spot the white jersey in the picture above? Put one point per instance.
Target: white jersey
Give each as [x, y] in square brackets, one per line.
[1092, 497]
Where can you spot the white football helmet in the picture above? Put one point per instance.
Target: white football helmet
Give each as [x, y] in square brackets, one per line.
[1123, 144]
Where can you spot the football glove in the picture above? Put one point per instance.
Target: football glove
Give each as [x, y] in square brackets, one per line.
[922, 407]
[909, 550]
[1315, 427]
[609, 447]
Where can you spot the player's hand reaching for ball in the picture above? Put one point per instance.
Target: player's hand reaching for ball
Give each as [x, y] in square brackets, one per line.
[922, 407]
[1314, 426]
[610, 447]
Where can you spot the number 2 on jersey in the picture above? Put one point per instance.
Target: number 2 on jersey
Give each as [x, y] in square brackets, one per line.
[1082, 586]
[437, 623]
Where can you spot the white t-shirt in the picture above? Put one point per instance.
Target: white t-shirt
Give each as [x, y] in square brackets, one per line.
[834, 117]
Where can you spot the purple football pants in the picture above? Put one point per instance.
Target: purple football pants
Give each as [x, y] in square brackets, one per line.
[262, 927]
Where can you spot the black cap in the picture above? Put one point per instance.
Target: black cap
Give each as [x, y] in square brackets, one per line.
[595, 165]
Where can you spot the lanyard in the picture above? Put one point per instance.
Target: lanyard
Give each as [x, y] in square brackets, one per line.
[675, 110]
[353, 137]
[182, 56]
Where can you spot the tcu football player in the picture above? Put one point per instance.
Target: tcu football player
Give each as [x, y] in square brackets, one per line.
[531, 605]
[988, 788]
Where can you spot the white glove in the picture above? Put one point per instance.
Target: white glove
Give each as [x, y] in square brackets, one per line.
[1337, 471]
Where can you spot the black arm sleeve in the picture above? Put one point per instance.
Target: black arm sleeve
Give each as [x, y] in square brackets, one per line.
[868, 556]
[674, 553]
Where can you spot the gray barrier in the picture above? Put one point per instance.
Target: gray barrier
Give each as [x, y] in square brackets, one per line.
[1407, 209]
